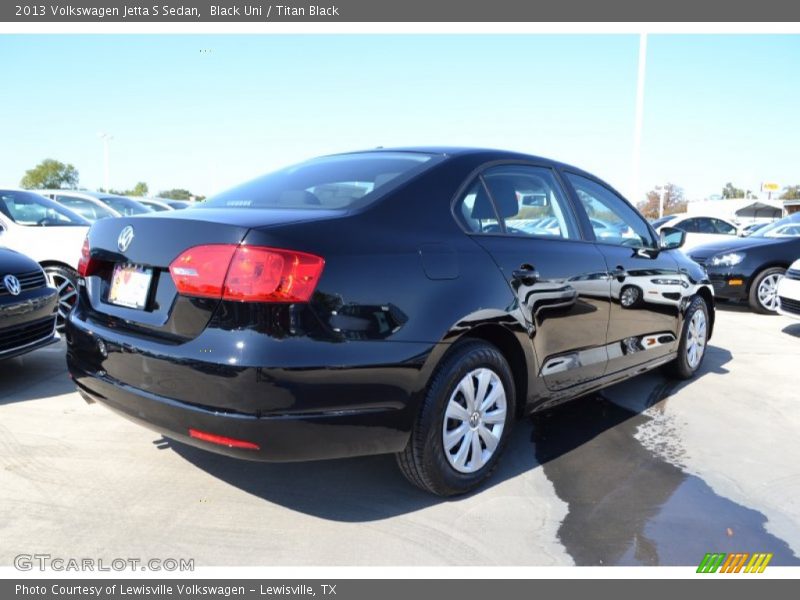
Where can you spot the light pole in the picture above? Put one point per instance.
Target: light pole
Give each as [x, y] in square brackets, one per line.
[106, 137]
[662, 192]
[637, 128]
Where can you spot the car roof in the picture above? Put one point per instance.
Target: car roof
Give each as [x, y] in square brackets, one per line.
[84, 193]
[484, 153]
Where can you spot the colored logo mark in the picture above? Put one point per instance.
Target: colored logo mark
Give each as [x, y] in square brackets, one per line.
[734, 563]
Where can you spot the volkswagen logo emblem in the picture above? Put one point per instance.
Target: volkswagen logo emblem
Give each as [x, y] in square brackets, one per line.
[125, 238]
[12, 285]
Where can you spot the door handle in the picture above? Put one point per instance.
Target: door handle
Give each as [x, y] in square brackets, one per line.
[619, 272]
[526, 274]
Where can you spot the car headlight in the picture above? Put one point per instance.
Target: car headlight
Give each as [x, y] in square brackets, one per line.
[727, 260]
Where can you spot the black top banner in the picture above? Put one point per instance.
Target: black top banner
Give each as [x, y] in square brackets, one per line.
[254, 11]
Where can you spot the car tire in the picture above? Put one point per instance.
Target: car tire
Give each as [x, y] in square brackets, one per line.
[693, 342]
[456, 441]
[65, 280]
[763, 296]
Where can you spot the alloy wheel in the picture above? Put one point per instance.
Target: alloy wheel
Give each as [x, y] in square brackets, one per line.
[67, 294]
[768, 291]
[696, 336]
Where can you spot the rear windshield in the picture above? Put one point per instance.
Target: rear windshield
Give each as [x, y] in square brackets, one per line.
[333, 182]
[27, 208]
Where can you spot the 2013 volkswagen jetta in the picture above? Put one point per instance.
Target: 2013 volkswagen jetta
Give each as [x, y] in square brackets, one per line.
[390, 301]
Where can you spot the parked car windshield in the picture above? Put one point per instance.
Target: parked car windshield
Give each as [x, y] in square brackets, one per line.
[659, 222]
[33, 210]
[125, 206]
[332, 182]
[779, 229]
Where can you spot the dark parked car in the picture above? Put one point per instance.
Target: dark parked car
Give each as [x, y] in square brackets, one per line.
[28, 307]
[750, 268]
[381, 302]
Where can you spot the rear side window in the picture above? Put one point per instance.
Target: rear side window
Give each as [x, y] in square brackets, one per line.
[33, 210]
[333, 182]
[528, 201]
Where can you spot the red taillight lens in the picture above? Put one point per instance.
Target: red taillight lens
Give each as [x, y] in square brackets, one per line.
[222, 440]
[200, 271]
[247, 273]
[86, 266]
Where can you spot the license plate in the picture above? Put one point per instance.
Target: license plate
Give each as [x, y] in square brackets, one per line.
[130, 285]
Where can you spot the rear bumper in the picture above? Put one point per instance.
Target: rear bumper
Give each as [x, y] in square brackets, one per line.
[363, 405]
[279, 439]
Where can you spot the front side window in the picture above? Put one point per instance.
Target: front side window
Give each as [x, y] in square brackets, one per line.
[517, 200]
[612, 219]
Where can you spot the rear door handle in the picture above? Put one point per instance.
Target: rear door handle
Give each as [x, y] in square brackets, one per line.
[526, 274]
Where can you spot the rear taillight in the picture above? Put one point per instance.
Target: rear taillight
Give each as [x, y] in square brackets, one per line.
[86, 266]
[246, 273]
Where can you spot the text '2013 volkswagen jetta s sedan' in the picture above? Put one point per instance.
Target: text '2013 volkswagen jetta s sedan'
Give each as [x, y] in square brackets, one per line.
[390, 301]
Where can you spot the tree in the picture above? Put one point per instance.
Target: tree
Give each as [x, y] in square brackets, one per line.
[731, 191]
[140, 189]
[673, 202]
[180, 194]
[50, 174]
[791, 192]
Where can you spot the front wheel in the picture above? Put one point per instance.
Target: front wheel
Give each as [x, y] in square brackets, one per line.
[763, 296]
[464, 422]
[65, 280]
[694, 337]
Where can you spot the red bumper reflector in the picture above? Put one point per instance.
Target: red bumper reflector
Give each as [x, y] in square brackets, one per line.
[222, 440]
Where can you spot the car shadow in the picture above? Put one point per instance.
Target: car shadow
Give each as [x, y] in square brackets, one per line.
[793, 330]
[372, 488]
[732, 306]
[40, 374]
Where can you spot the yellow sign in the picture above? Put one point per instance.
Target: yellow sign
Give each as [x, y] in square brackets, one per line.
[770, 186]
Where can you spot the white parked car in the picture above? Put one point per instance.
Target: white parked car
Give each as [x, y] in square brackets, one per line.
[121, 205]
[789, 292]
[50, 234]
[89, 207]
[699, 230]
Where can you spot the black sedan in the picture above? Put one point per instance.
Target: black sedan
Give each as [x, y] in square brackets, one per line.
[750, 268]
[28, 307]
[389, 301]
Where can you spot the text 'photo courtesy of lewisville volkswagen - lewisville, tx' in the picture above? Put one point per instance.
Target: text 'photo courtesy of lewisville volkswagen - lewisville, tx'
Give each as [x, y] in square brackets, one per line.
[468, 300]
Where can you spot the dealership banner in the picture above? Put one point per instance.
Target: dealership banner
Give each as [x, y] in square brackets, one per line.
[496, 11]
[374, 589]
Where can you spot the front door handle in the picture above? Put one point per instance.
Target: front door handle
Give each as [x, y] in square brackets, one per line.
[619, 272]
[526, 274]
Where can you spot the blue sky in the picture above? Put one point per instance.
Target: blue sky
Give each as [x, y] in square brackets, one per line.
[205, 112]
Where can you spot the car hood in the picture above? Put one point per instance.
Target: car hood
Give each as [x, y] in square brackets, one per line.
[14, 262]
[736, 244]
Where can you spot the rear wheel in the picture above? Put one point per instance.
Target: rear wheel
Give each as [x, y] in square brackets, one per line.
[763, 296]
[694, 337]
[464, 423]
[65, 280]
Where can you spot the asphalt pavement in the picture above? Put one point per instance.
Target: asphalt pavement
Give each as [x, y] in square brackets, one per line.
[649, 472]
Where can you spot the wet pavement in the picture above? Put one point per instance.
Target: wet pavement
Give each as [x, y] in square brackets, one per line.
[629, 506]
[650, 472]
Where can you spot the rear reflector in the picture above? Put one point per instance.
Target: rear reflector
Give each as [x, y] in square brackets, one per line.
[246, 273]
[222, 440]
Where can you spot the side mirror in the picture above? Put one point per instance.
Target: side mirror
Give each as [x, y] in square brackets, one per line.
[671, 238]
